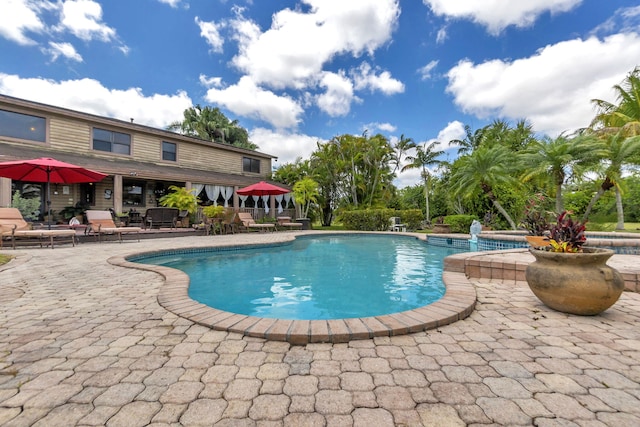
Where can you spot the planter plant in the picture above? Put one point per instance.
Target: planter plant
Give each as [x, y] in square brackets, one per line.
[185, 200]
[568, 277]
[537, 222]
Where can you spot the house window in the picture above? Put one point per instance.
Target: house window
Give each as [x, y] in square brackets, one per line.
[133, 193]
[169, 150]
[113, 142]
[250, 165]
[22, 126]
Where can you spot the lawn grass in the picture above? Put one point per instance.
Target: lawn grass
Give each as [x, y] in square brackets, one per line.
[629, 227]
[4, 259]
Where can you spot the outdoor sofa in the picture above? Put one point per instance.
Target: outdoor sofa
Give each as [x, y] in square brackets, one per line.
[160, 217]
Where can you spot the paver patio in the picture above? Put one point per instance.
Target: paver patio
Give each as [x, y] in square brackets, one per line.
[86, 343]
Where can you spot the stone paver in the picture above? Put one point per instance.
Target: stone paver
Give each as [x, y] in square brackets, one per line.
[87, 343]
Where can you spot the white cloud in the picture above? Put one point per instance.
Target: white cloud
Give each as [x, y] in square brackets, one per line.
[553, 88]
[496, 15]
[210, 81]
[63, 49]
[90, 96]
[17, 18]
[365, 77]
[453, 130]
[287, 146]
[374, 128]
[293, 52]
[247, 99]
[173, 3]
[210, 32]
[425, 72]
[336, 101]
[83, 18]
[624, 20]
[441, 36]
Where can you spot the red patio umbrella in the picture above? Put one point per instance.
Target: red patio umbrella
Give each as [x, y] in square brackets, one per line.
[45, 169]
[262, 188]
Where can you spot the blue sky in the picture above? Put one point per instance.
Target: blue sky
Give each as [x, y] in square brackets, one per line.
[297, 72]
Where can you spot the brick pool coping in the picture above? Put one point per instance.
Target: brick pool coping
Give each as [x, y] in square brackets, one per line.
[457, 303]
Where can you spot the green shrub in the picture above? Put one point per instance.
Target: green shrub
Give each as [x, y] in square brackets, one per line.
[378, 219]
[367, 220]
[412, 218]
[29, 208]
[459, 223]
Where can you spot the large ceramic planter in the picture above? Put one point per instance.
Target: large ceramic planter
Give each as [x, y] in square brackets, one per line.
[576, 283]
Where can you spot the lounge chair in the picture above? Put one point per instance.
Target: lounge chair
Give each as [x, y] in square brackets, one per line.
[286, 223]
[14, 228]
[248, 223]
[101, 222]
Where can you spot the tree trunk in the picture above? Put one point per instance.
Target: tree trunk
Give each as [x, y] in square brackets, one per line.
[559, 203]
[606, 185]
[426, 199]
[504, 213]
[619, 209]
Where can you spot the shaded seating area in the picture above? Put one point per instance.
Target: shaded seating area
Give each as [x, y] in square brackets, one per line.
[101, 223]
[246, 222]
[14, 229]
[160, 217]
[286, 223]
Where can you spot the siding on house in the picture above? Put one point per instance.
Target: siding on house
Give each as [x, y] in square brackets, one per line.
[69, 138]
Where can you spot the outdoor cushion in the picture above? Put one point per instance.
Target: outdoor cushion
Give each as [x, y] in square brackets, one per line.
[285, 221]
[249, 223]
[13, 227]
[101, 222]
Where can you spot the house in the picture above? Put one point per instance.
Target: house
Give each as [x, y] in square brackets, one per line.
[141, 161]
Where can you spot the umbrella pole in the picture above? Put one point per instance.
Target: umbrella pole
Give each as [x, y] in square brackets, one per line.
[48, 200]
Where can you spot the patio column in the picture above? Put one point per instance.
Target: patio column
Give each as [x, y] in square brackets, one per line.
[236, 199]
[117, 193]
[272, 206]
[5, 192]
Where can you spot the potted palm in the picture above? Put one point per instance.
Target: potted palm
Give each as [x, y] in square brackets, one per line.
[568, 277]
[305, 193]
[185, 200]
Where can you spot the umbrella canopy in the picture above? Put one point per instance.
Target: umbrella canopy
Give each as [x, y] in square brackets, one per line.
[48, 170]
[45, 169]
[262, 188]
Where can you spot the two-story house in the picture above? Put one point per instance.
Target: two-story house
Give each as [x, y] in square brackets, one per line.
[141, 161]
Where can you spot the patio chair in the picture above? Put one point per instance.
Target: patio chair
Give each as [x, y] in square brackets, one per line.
[395, 225]
[101, 222]
[248, 223]
[286, 223]
[14, 228]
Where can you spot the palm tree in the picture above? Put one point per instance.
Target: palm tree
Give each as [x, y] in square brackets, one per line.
[426, 156]
[619, 150]
[552, 159]
[400, 149]
[614, 123]
[471, 141]
[212, 125]
[483, 171]
[625, 115]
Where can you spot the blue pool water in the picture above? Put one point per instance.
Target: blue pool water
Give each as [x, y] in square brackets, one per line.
[326, 277]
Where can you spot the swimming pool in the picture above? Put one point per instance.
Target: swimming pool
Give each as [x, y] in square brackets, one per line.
[318, 277]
